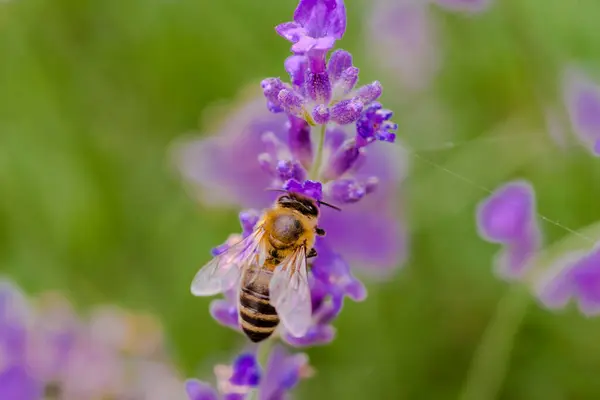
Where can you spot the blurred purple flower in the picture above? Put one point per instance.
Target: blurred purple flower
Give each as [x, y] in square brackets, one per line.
[49, 350]
[471, 6]
[508, 217]
[582, 100]
[576, 277]
[404, 39]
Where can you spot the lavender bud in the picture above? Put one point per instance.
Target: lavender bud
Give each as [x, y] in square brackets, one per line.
[339, 62]
[299, 140]
[370, 92]
[291, 102]
[346, 111]
[320, 114]
[318, 87]
[347, 80]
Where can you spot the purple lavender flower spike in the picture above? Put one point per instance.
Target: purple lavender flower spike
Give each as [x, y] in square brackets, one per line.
[471, 6]
[576, 277]
[197, 390]
[508, 217]
[346, 111]
[582, 98]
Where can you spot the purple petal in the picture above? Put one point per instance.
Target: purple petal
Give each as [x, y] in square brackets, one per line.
[308, 188]
[317, 335]
[282, 373]
[576, 276]
[225, 313]
[508, 213]
[516, 258]
[248, 219]
[292, 102]
[296, 67]
[197, 390]
[16, 383]
[290, 31]
[582, 97]
[320, 114]
[472, 6]
[346, 82]
[322, 18]
[334, 273]
[246, 370]
[339, 62]
[206, 163]
[14, 317]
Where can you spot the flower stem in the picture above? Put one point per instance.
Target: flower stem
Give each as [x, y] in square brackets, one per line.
[492, 356]
[262, 356]
[318, 160]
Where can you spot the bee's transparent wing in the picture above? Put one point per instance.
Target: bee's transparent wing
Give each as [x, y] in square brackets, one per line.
[224, 271]
[290, 293]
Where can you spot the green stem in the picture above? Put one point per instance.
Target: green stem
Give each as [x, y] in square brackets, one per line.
[492, 356]
[262, 356]
[318, 160]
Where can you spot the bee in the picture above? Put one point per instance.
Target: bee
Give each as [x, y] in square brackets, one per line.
[269, 268]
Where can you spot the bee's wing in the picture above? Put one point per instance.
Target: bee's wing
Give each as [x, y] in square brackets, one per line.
[290, 293]
[224, 271]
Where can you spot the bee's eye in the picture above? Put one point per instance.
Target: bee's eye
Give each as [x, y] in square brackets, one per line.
[311, 209]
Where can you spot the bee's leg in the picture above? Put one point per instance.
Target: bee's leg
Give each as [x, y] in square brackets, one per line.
[320, 231]
[312, 253]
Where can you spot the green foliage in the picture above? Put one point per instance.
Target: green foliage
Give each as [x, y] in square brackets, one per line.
[93, 92]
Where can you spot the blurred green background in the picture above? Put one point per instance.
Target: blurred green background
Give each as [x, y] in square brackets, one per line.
[93, 92]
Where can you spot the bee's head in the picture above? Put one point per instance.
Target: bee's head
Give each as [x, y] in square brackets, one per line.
[303, 204]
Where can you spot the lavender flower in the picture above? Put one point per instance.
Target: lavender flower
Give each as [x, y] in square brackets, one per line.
[283, 372]
[582, 100]
[47, 352]
[576, 276]
[508, 217]
[351, 164]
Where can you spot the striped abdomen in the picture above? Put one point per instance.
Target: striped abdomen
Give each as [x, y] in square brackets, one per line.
[257, 316]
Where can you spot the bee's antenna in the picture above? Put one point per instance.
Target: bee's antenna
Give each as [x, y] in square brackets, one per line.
[330, 205]
[277, 190]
